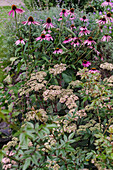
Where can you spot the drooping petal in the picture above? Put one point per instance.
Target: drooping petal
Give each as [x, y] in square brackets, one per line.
[13, 14]
[20, 11]
[29, 23]
[24, 22]
[38, 38]
[22, 42]
[37, 23]
[17, 42]
[10, 12]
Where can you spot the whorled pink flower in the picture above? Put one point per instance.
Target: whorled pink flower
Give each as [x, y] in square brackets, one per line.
[30, 21]
[60, 19]
[106, 3]
[20, 41]
[58, 51]
[84, 19]
[108, 17]
[106, 38]
[93, 70]
[44, 37]
[46, 31]
[48, 23]
[102, 20]
[84, 31]
[67, 40]
[86, 63]
[15, 9]
[76, 42]
[73, 27]
[64, 12]
[89, 41]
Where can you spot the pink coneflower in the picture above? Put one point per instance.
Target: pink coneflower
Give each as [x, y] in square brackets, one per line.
[44, 37]
[106, 3]
[84, 19]
[64, 12]
[48, 23]
[89, 41]
[46, 30]
[72, 17]
[15, 9]
[86, 63]
[108, 17]
[106, 38]
[102, 20]
[67, 40]
[76, 42]
[58, 51]
[71, 11]
[30, 21]
[20, 41]
[60, 19]
[93, 70]
[73, 27]
[84, 31]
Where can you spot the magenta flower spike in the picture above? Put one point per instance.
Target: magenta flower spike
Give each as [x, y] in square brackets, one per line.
[44, 37]
[15, 9]
[86, 63]
[89, 41]
[48, 23]
[20, 41]
[30, 21]
[58, 51]
[106, 3]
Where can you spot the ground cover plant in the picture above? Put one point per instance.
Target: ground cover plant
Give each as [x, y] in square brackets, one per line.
[57, 98]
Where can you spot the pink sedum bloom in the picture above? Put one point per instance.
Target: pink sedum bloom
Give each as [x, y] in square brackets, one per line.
[20, 41]
[93, 70]
[86, 63]
[15, 9]
[106, 38]
[44, 37]
[84, 31]
[89, 41]
[48, 23]
[84, 19]
[58, 51]
[67, 40]
[106, 3]
[64, 12]
[30, 21]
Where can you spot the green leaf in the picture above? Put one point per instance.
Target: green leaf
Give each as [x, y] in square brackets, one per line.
[66, 78]
[27, 163]
[51, 126]
[111, 155]
[10, 107]
[71, 135]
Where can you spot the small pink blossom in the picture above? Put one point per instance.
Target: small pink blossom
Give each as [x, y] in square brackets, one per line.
[76, 42]
[86, 63]
[44, 37]
[71, 11]
[73, 27]
[102, 20]
[106, 38]
[89, 41]
[108, 17]
[58, 51]
[48, 23]
[106, 3]
[93, 70]
[64, 12]
[15, 9]
[84, 31]
[60, 19]
[20, 41]
[30, 21]
[67, 40]
[84, 19]
[46, 31]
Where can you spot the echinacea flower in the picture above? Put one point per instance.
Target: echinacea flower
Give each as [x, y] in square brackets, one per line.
[64, 12]
[106, 38]
[71, 11]
[60, 19]
[84, 31]
[30, 21]
[108, 17]
[73, 27]
[67, 40]
[86, 63]
[102, 20]
[46, 30]
[93, 70]
[76, 41]
[89, 41]
[48, 23]
[20, 41]
[15, 9]
[84, 19]
[106, 3]
[58, 51]
[44, 37]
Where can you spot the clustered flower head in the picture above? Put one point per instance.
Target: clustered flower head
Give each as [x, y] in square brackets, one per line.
[37, 114]
[107, 66]
[48, 23]
[86, 63]
[20, 41]
[15, 10]
[58, 69]
[44, 37]
[58, 51]
[106, 37]
[30, 21]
